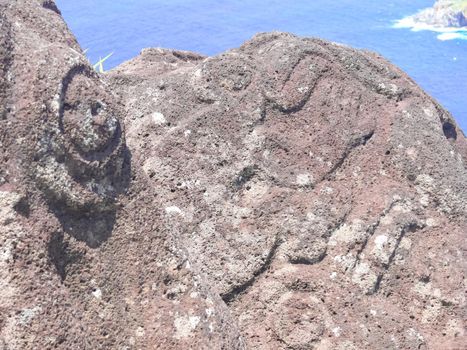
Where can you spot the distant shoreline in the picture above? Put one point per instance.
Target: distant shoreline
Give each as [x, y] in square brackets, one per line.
[446, 17]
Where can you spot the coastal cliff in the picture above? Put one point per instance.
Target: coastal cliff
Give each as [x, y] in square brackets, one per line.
[444, 14]
[292, 193]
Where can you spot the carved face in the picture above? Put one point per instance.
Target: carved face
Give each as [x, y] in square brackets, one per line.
[87, 117]
[81, 159]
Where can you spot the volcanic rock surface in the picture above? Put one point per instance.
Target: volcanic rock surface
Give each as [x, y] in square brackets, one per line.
[289, 194]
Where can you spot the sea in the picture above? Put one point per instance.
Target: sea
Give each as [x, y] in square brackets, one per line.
[435, 59]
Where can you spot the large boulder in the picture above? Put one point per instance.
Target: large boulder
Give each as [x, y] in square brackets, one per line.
[86, 261]
[321, 192]
[289, 194]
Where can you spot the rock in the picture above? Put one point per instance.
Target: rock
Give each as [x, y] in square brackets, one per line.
[312, 169]
[289, 194]
[444, 14]
[90, 264]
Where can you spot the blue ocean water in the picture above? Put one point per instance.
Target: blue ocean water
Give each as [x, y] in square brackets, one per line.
[124, 27]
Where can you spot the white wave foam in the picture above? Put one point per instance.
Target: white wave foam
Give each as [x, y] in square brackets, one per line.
[452, 36]
[446, 33]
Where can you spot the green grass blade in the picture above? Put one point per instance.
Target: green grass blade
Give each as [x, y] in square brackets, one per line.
[99, 66]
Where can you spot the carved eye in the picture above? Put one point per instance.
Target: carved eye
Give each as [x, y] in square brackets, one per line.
[96, 107]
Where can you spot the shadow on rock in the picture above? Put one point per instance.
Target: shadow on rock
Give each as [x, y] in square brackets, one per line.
[94, 225]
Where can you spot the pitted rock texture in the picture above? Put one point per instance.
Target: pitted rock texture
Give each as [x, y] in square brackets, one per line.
[289, 194]
[317, 187]
[87, 261]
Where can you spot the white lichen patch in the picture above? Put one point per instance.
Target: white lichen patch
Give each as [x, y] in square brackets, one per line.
[455, 329]
[97, 293]
[364, 277]
[345, 261]
[427, 290]
[27, 315]
[55, 103]
[6, 253]
[348, 233]
[393, 88]
[311, 216]
[380, 241]
[327, 190]
[386, 220]
[383, 248]
[158, 118]
[10, 232]
[239, 214]
[424, 200]
[7, 202]
[198, 73]
[253, 141]
[414, 334]
[390, 88]
[412, 153]
[139, 332]
[431, 311]
[425, 181]
[209, 312]
[406, 243]
[173, 210]
[185, 325]
[336, 331]
[405, 207]
[255, 193]
[304, 179]
[431, 222]
[428, 112]
[131, 341]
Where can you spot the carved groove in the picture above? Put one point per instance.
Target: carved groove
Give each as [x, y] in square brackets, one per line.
[235, 292]
[412, 227]
[370, 232]
[361, 141]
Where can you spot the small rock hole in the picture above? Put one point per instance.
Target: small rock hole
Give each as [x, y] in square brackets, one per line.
[449, 131]
[96, 107]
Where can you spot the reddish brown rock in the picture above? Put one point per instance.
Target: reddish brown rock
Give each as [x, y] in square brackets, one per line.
[86, 260]
[319, 189]
[289, 194]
